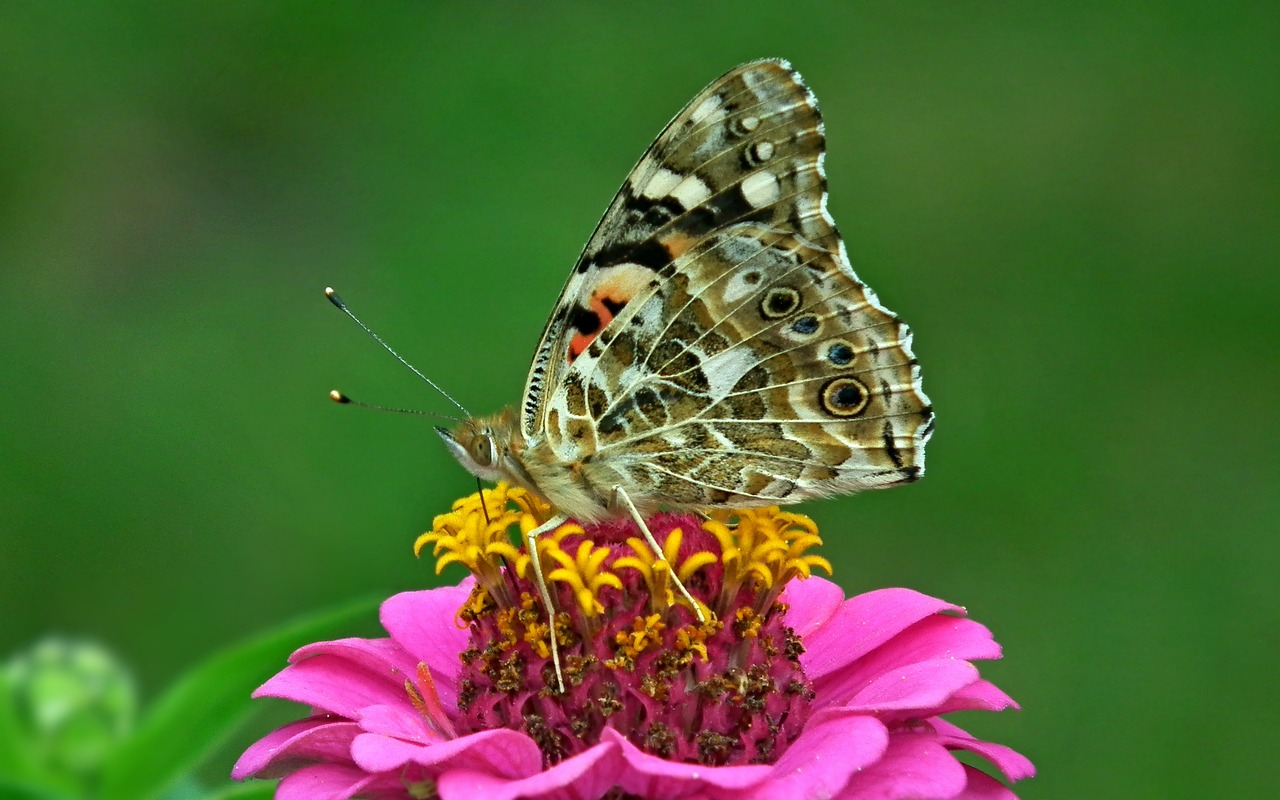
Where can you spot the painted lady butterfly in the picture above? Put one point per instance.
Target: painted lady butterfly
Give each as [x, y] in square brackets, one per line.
[713, 347]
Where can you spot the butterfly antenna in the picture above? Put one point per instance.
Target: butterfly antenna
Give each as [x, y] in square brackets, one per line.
[340, 398]
[337, 301]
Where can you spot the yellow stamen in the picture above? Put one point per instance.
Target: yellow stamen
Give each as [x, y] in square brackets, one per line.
[764, 546]
[644, 633]
[747, 623]
[760, 550]
[693, 639]
[584, 575]
[477, 533]
[656, 572]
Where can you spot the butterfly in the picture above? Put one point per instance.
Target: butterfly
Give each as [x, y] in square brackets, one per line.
[713, 347]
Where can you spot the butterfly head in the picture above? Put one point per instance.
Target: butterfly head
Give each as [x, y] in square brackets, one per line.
[483, 446]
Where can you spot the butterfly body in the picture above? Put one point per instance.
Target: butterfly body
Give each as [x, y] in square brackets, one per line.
[713, 346]
[495, 449]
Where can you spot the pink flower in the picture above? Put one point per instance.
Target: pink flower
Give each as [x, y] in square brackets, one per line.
[811, 696]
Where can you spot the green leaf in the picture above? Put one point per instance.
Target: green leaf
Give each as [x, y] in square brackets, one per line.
[207, 704]
[16, 790]
[257, 790]
[186, 787]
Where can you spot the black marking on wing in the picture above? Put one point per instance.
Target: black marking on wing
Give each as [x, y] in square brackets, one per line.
[649, 253]
[584, 320]
[890, 447]
[647, 401]
[728, 207]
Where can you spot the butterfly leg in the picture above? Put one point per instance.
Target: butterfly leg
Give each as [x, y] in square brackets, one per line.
[531, 540]
[620, 496]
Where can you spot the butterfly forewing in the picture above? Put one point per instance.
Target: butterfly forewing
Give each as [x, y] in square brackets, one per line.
[715, 164]
[713, 345]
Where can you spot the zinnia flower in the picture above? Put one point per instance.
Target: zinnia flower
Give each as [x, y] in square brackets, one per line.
[788, 691]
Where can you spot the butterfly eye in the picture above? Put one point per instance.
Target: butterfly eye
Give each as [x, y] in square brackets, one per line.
[482, 451]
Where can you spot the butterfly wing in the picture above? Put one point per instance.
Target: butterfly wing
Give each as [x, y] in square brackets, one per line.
[713, 345]
[691, 181]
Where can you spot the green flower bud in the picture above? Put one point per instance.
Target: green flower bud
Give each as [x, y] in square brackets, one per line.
[74, 701]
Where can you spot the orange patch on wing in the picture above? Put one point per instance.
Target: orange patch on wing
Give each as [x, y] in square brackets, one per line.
[676, 244]
[581, 341]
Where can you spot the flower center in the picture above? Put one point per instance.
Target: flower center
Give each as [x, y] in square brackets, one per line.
[727, 691]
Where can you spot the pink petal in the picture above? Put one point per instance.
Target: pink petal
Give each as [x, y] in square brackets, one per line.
[981, 695]
[502, 752]
[862, 624]
[1013, 764]
[374, 655]
[923, 686]
[932, 639]
[397, 721]
[336, 684]
[424, 624]
[912, 766]
[280, 751]
[982, 786]
[589, 774]
[810, 603]
[328, 782]
[834, 746]
[648, 775]
[936, 637]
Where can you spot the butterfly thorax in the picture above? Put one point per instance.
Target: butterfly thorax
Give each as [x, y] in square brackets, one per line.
[494, 448]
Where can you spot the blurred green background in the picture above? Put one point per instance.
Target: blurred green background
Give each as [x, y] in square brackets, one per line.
[1076, 207]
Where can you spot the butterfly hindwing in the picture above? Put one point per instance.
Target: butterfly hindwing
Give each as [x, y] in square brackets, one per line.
[761, 372]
